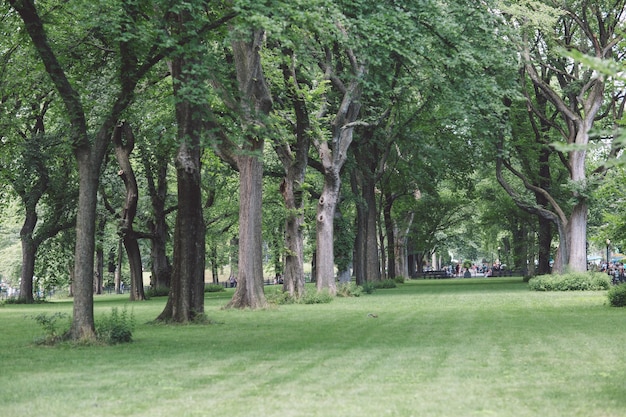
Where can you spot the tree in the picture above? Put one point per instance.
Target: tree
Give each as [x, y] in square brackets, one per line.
[186, 296]
[254, 105]
[577, 95]
[89, 153]
[124, 141]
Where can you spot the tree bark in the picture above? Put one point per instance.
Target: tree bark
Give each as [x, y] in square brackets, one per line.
[333, 154]
[186, 296]
[294, 158]
[123, 149]
[254, 105]
[29, 249]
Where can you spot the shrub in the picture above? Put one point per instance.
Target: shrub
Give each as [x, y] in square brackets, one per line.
[349, 289]
[158, 292]
[384, 284]
[617, 295]
[214, 288]
[368, 287]
[279, 297]
[399, 280]
[580, 281]
[316, 297]
[116, 327]
[53, 334]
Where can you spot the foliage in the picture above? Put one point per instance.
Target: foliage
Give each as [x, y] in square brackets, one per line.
[316, 297]
[399, 280]
[368, 287]
[617, 295]
[593, 281]
[349, 289]
[116, 328]
[385, 284]
[279, 297]
[158, 292]
[53, 332]
[213, 288]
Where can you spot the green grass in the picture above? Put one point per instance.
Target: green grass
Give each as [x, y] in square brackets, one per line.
[438, 348]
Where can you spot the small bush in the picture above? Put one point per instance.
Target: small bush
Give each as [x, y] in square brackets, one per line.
[617, 296]
[399, 280]
[349, 289]
[53, 333]
[158, 292]
[571, 282]
[214, 288]
[279, 298]
[316, 297]
[368, 287]
[116, 327]
[385, 284]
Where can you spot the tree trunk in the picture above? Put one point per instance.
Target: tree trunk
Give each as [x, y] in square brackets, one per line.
[156, 174]
[98, 282]
[186, 297]
[372, 261]
[83, 326]
[255, 105]
[356, 183]
[401, 245]
[29, 249]
[295, 160]
[391, 236]
[249, 292]
[123, 149]
[327, 203]
[294, 243]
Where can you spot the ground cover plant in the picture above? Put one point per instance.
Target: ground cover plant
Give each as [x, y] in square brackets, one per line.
[425, 348]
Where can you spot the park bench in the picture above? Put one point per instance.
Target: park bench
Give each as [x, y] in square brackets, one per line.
[434, 274]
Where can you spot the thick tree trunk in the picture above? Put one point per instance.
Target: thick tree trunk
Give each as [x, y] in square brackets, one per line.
[186, 297]
[372, 261]
[83, 327]
[249, 292]
[255, 105]
[327, 203]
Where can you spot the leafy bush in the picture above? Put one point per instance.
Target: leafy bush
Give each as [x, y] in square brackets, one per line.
[279, 297]
[158, 292]
[399, 280]
[580, 281]
[617, 295]
[384, 284]
[315, 297]
[368, 287]
[349, 289]
[214, 288]
[116, 327]
[53, 334]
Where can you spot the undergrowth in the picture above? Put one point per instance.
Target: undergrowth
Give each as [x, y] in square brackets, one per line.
[575, 281]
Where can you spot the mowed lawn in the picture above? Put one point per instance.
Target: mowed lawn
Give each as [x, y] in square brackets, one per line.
[462, 347]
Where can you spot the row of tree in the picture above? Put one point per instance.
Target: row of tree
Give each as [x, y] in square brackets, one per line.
[383, 113]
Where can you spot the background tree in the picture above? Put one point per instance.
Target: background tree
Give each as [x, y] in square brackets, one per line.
[576, 93]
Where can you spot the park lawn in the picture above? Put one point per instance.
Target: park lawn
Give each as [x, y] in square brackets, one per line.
[462, 347]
